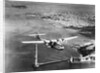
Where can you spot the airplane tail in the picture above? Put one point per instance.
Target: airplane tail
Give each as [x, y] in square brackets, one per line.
[36, 35]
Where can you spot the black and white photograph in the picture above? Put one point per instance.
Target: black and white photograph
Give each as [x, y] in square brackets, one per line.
[45, 36]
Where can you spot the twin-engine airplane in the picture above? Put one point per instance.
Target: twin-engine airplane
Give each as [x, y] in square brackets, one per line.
[86, 51]
[54, 43]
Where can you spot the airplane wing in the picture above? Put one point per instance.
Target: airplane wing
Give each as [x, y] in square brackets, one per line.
[70, 38]
[64, 39]
[53, 40]
[33, 42]
[36, 42]
[61, 40]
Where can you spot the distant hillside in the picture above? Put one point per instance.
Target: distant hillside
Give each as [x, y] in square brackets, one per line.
[75, 19]
[66, 15]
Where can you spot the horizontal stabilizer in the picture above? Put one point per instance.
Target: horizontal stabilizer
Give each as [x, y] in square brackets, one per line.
[35, 34]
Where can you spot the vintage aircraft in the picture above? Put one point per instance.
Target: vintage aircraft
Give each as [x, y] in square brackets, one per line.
[53, 43]
[86, 48]
[87, 53]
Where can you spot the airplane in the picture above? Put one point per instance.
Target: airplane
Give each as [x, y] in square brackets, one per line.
[87, 53]
[53, 43]
[86, 48]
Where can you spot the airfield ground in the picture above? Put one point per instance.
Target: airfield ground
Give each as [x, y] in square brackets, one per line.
[20, 57]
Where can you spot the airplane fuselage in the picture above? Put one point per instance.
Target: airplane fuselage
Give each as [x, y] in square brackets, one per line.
[55, 45]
